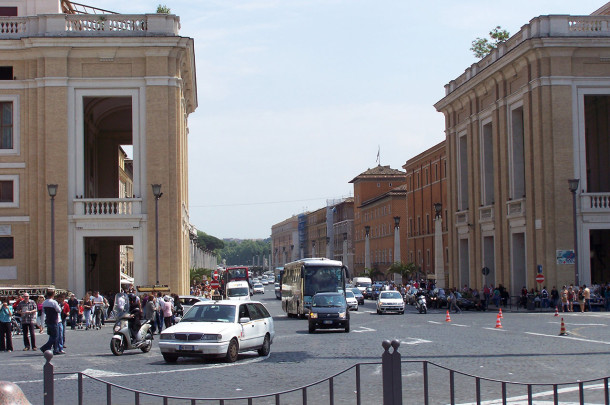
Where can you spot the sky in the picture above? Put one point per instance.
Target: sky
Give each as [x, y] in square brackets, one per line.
[296, 98]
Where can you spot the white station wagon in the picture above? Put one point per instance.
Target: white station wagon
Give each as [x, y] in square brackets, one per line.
[219, 329]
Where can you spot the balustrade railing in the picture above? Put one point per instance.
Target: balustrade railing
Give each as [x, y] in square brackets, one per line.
[108, 207]
[595, 202]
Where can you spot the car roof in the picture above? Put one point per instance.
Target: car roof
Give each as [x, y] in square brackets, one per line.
[227, 302]
[329, 293]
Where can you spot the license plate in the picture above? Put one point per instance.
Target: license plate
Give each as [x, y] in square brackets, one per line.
[186, 348]
[328, 322]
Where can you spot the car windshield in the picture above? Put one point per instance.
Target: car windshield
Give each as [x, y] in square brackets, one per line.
[349, 294]
[210, 313]
[328, 301]
[258, 285]
[356, 291]
[390, 295]
[363, 284]
[238, 292]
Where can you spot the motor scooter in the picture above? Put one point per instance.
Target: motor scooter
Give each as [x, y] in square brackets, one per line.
[420, 304]
[121, 339]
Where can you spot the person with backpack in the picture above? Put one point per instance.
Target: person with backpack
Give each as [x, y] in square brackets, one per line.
[544, 297]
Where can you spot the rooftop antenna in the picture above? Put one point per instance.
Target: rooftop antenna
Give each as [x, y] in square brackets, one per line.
[378, 155]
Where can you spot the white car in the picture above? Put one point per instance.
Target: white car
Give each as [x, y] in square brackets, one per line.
[219, 329]
[352, 302]
[258, 289]
[264, 280]
[390, 301]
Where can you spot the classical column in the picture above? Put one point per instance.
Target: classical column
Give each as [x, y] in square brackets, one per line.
[292, 258]
[328, 253]
[396, 240]
[367, 248]
[345, 259]
[313, 248]
[283, 255]
[439, 271]
[302, 250]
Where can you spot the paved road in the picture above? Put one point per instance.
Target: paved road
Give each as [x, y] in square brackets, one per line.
[526, 349]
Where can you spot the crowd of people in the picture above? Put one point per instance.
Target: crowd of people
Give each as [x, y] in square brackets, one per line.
[55, 312]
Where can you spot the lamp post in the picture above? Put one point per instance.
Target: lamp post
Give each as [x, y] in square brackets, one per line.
[573, 185]
[367, 248]
[156, 189]
[52, 189]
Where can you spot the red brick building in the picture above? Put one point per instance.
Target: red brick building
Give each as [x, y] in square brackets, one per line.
[426, 185]
[379, 197]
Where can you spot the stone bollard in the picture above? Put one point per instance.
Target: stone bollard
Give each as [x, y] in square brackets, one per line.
[11, 394]
[391, 373]
[48, 378]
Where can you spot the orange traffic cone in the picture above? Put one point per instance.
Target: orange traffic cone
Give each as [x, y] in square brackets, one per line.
[556, 311]
[563, 331]
[500, 314]
[498, 323]
[447, 318]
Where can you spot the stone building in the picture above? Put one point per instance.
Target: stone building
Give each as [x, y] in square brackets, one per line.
[285, 241]
[74, 88]
[426, 189]
[520, 123]
[379, 205]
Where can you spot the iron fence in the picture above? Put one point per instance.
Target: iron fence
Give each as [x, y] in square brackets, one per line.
[425, 382]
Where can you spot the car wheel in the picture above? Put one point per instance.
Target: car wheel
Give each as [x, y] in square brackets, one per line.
[312, 328]
[169, 358]
[347, 327]
[378, 312]
[266, 347]
[232, 351]
[356, 309]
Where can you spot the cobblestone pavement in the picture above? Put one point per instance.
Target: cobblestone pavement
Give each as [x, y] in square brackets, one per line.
[527, 348]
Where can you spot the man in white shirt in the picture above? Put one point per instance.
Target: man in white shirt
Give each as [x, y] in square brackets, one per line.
[52, 313]
[98, 302]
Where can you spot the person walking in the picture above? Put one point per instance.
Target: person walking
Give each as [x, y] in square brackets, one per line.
[150, 312]
[6, 338]
[167, 312]
[453, 302]
[28, 310]
[564, 300]
[52, 311]
[73, 305]
[586, 293]
[40, 313]
[87, 310]
[98, 302]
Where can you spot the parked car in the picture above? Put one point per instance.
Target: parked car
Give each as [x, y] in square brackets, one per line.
[464, 303]
[278, 291]
[358, 295]
[352, 302]
[368, 293]
[219, 329]
[328, 311]
[258, 289]
[390, 301]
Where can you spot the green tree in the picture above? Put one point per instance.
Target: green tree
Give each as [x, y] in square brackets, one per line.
[197, 274]
[209, 242]
[237, 252]
[372, 273]
[481, 47]
[163, 9]
[405, 270]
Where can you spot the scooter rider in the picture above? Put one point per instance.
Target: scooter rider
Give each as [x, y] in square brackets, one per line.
[135, 315]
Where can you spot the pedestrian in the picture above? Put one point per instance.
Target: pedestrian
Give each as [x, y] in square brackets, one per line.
[554, 297]
[73, 305]
[565, 305]
[150, 312]
[453, 302]
[167, 312]
[61, 325]
[587, 296]
[51, 310]
[6, 315]
[121, 304]
[28, 310]
[40, 313]
[581, 299]
[98, 302]
[87, 310]
[160, 305]
[571, 298]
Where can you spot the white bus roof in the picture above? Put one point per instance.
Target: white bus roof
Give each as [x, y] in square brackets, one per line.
[317, 261]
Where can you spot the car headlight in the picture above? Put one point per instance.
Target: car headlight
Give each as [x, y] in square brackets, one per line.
[167, 336]
[341, 315]
[211, 336]
[313, 315]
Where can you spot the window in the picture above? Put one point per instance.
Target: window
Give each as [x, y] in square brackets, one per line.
[6, 191]
[6, 73]
[6, 125]
[8, 11]
[6, 247]
[9, 191]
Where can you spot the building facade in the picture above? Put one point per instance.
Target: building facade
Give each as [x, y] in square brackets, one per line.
[75, 88]
[520, 123]
[426, 187]
[343, 232]
[379, 201]
[285, 241]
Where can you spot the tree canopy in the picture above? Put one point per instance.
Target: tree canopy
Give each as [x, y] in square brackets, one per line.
[481, 47]
[209, 242]
[237, 252]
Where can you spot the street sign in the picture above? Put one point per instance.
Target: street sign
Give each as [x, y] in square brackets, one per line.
[485, 271]
[540, 278]
[539, 268]
[215, 275]
[214, 284]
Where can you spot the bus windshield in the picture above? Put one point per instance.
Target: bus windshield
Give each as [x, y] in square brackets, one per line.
[322, 279]
[238, 292]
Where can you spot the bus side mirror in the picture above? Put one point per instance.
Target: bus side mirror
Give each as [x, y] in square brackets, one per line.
[302, 272]
[346, 272]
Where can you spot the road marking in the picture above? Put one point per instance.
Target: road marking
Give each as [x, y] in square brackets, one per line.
[583, 324]
[364, 329]
[437, 323]
[460, 325]
[415, 341]
[569, 337]
[501, 330]
[521, 398]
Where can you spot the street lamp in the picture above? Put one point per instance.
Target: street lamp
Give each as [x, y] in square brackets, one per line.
[52, 189]
[396, 222]
[573, 186]
[156, 189]
[437, 209]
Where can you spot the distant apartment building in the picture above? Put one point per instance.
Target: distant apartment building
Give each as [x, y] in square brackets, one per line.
[317, 237]
[285, 241]
[527, 131]
[426, 187]
[77, 84]
[343, 232]
[379, 207]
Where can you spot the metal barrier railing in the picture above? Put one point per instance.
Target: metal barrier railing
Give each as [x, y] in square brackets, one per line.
[391, 375]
